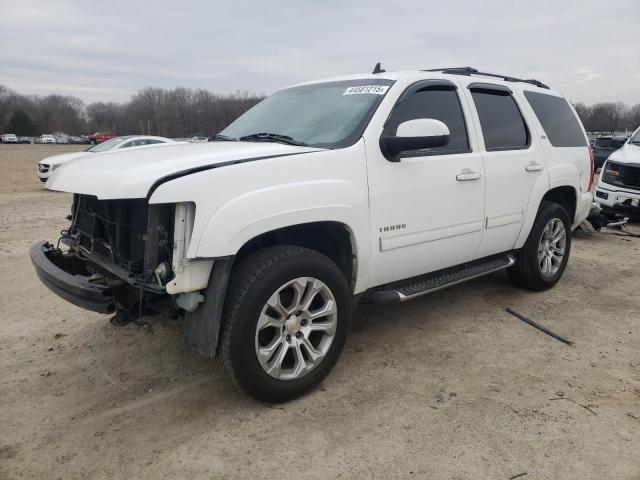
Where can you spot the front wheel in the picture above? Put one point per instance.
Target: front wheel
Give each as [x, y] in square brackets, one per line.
[543, 258]
[285, 323]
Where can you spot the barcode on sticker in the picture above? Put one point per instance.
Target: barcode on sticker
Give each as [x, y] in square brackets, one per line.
[370, 89]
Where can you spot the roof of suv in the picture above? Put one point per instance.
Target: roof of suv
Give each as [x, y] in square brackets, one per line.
[378, 73]
[504, 80]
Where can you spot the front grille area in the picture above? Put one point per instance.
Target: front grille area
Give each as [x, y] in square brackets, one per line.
[629, 175]
[43, 168]
[117, 231]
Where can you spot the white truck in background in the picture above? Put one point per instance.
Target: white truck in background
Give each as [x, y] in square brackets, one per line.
[618, 190]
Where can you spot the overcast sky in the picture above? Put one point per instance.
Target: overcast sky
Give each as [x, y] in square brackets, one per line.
[108, 50]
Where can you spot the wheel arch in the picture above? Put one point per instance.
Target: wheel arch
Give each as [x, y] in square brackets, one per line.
[202, 327]
[334, 239]
[564, 194]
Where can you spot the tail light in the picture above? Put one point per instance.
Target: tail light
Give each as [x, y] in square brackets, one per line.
[592, 160]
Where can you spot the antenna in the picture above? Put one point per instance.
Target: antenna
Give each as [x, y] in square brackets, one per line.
[378, 68]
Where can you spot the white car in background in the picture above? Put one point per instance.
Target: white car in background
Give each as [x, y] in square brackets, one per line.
[46, 139]
[9, 138]
[49, 164]
[197, 139]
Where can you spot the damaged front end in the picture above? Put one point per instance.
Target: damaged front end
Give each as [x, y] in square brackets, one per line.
[618, 192]
[118, 256]
[129, 257]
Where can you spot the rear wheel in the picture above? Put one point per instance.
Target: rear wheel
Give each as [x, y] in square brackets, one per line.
[543, 258]
[286, 320]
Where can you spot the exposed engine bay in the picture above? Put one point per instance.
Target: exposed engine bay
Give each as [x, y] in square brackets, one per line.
[123, 244]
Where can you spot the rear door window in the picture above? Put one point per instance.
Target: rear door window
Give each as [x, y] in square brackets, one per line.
[557, 119]
[503, 127]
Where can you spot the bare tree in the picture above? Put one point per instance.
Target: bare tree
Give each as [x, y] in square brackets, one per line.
[633, 117]
[105, 116]
[584, 112]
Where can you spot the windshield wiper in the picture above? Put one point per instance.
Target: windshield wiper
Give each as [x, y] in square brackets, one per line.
[223, 138]
[271, 137]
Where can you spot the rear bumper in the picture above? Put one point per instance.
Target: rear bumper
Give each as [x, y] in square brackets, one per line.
[58, 271]
[583, 207]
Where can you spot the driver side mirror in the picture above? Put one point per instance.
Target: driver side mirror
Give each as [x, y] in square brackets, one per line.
[412, 135]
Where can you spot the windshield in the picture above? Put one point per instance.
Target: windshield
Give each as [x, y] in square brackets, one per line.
[636, 137]
[326, 115]
[108, 145]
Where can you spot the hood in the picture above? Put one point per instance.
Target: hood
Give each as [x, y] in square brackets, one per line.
[628, 153]
[65, 157]
[131, 174]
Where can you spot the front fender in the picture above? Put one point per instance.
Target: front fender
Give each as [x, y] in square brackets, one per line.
[254, 213]
[241, 201]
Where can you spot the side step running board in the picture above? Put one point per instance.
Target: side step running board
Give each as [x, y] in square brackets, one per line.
[431, 282]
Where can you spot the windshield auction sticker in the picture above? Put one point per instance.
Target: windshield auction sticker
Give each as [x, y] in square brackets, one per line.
[367, 89]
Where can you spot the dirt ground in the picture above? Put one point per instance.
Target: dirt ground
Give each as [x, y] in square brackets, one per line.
[447, 386]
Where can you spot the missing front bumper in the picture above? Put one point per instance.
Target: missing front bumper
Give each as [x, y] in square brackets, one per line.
[65, 275]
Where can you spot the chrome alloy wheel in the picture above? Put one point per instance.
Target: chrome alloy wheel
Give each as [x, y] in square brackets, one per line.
[296, 328]
[552, 247]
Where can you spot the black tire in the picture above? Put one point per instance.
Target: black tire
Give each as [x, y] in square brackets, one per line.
[527, 272]
[252, 283]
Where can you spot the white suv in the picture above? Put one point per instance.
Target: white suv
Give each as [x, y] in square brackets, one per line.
[379, 187]
[618, 191]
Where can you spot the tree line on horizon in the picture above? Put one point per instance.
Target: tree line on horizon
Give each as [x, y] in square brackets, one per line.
[608, 116]
[183, 112]
[177, 113]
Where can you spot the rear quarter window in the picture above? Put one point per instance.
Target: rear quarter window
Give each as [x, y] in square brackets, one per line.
[557, 119]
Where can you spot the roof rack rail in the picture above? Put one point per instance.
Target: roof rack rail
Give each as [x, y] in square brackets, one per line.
[474, 71]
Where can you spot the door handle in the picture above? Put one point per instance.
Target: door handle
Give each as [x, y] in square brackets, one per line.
[466, 175]
[534, 167]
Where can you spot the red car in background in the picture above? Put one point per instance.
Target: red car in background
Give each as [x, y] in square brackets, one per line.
[99, 137]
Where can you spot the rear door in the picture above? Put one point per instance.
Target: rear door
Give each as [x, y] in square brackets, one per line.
[512, 163]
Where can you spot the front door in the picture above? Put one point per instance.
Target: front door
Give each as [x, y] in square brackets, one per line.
[427, 210]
